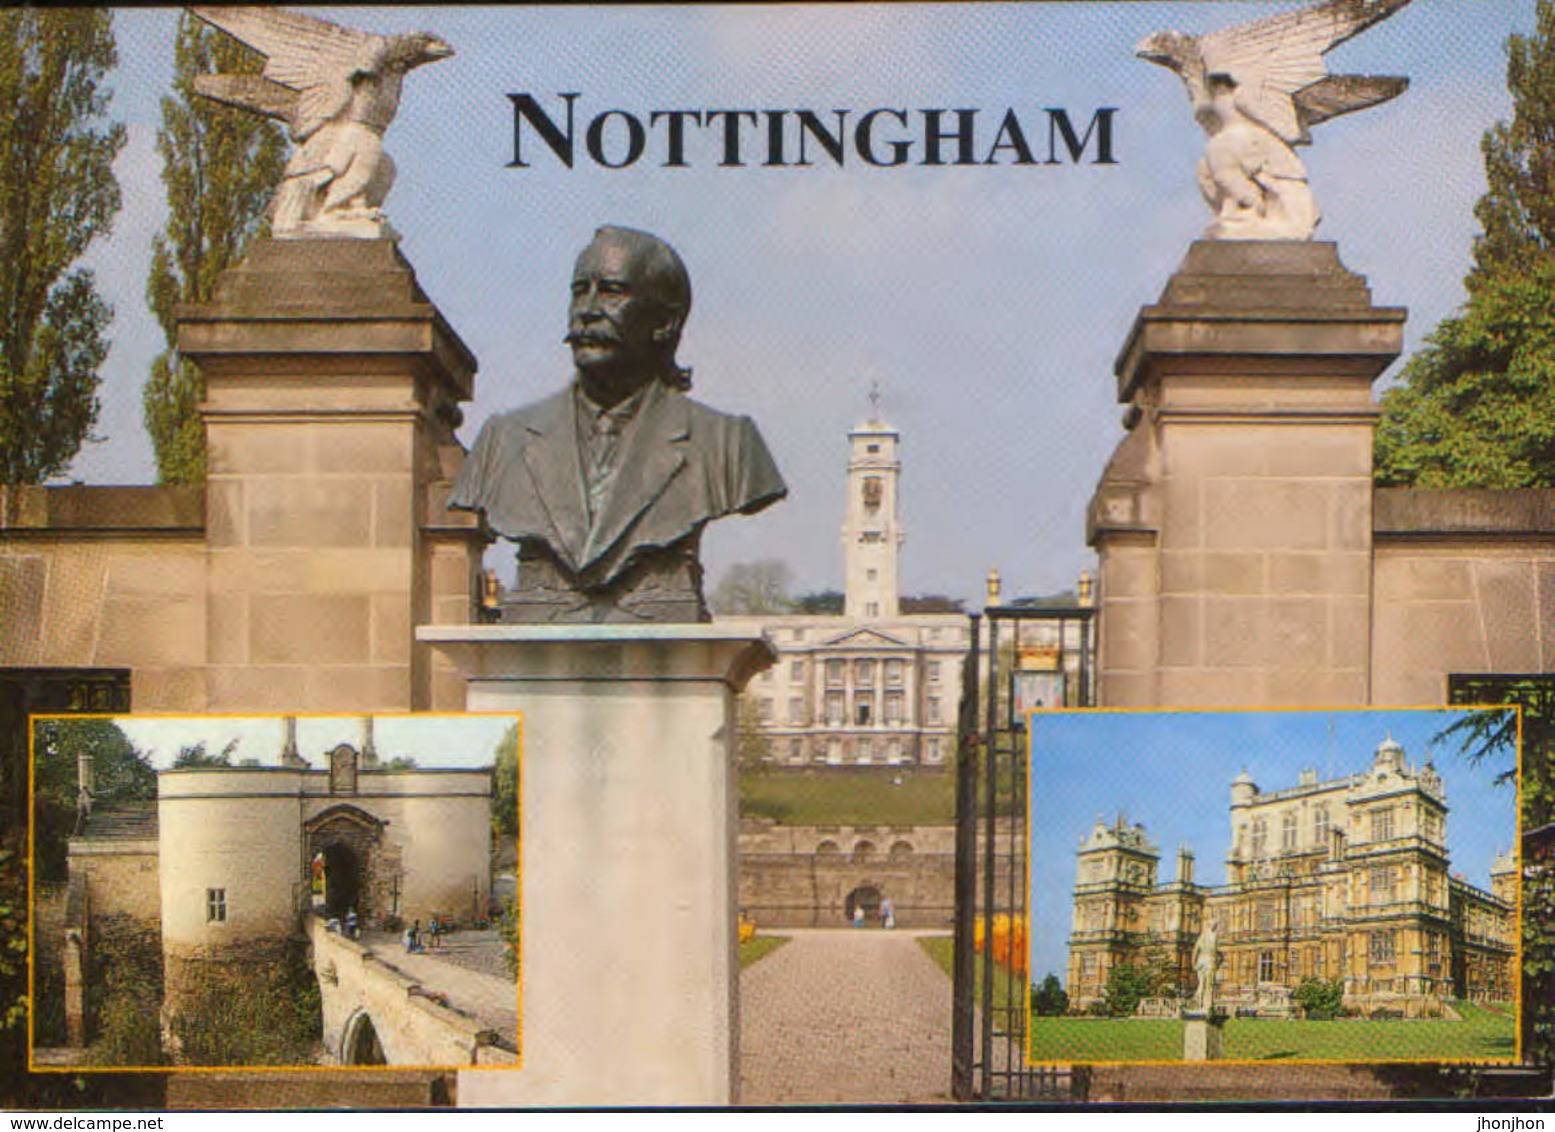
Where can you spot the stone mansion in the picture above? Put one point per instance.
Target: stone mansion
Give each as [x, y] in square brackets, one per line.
[1347, 879]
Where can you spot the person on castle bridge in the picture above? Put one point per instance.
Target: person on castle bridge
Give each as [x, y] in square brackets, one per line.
[606, 486]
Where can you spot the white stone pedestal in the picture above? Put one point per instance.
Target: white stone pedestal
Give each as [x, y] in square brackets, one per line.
[627, 854]
[1203, 1038]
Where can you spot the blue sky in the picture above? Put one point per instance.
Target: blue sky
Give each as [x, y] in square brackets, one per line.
[1172, 772]
[989, 303]
[432, 740]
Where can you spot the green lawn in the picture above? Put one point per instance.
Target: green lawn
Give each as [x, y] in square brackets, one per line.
[1483, 1035]
[760, 947]
[837, 796]
[1006, 987]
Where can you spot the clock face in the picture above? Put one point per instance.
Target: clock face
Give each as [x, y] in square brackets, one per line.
[873, 492]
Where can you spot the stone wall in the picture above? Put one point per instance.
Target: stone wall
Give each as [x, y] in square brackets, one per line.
[108, 577]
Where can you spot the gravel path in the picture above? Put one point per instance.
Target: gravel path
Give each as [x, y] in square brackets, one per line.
[845, 1017]
[467, 967]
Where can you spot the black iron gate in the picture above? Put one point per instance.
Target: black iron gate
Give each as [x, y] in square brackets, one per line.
[1022, 658]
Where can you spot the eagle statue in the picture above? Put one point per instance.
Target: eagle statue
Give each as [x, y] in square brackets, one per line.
[337, 90]
[1257, 90]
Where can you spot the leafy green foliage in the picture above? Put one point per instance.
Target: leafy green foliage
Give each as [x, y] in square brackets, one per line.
[511, 927]
[1129, 984]
[260, 1013]
[1320, 996]
[1477, 407]
[13, 939]
[119, 771]
[829, 602]
[220, 166]
[198, 757]
[504, 786]
[125, 993]
[57, 195]
[1049, 999]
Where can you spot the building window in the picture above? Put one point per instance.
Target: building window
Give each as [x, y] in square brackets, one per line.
[1088, 965]
[893, 673]
[1288, 833]
[931, 669]
[871, 575]
[215, 905]
[1320, 827]
[1382, 947]
[871, 609]
[1382, 824]
[863, 673]
[834, 673]
[863, 851]
[1381, 884]
[932, 709]
[863, 708]
[834, 753]
[796, 710]
[1260, 837]
[1266, 916]
[796, 750]
[936, 752]
[834, 709]
[893, 752]
[893, 707]
[764, 709]
[1266, 966]
[796, 671]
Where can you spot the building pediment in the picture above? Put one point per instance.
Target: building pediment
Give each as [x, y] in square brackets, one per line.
[867, 639]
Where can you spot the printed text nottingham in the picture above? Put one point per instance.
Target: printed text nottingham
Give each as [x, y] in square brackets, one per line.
[678, 139]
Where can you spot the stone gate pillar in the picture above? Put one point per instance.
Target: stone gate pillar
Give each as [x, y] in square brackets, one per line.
[1234, 522]
[332, 393]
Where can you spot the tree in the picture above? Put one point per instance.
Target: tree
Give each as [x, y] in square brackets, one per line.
[1320, 998]
[1477, 405]
[57, 195]
[1049, 1000]
[933, 603]
[754, 588]
[752, 744]
[821, 602]
[504, 786]
[1129, 984]
[220, 166]
[198, 758]
[119, 772]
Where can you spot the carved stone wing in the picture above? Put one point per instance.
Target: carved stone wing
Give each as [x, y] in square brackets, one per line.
[1274, 58]
[315, 58]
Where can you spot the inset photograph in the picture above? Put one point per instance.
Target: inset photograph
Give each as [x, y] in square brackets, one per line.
[1286, 886]
[275, 891]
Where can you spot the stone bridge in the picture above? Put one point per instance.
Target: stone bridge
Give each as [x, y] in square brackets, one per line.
[384, 1008]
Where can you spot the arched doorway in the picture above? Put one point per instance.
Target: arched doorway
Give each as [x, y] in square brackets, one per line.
[342, 879]
[361, 1045]
[867, 897]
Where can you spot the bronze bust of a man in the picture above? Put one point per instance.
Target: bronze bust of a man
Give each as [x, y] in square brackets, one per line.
[606, 486]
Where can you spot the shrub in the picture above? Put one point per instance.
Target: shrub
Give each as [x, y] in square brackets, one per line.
[1049, 999]
[258, 1013]
[1319, 998]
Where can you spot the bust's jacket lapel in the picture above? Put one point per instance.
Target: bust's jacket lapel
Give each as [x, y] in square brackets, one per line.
[556, 471]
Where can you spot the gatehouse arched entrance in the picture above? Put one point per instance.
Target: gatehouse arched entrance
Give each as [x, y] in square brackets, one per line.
[361, 1046]
[867, 897]
[343, 843]
[342, 876]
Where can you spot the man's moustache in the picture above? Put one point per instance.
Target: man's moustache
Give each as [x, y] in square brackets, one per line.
[591, 338]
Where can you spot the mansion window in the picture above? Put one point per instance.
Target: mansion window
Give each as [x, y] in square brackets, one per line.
[863, 672]
[1382, 947]
[1433, 825]
[893, 751]
[1288, 833]
[834, 709]
[764, 709]
[893, 707]
[1260, 838]
[834, 673]
[872, 609]
[1266, 966]
[936, 754]
[215, 905]
[931, 671]
[1382, 824]
[866, 751]
[1381, 884]
[863, 708]
[796, 750]
[1265, 919]
[1320, 827]
[893, 673]
[796, 671]
[932, 709]
[1088, 965]
[834, 752]
[796, 710]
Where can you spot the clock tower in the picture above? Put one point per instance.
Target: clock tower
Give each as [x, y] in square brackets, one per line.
[872, 531]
